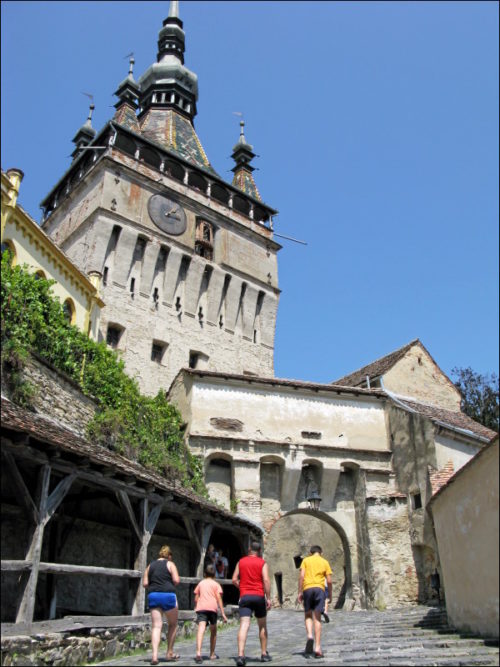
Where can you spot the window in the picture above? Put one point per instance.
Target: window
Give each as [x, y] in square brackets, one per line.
[40, 275]
[139, 249]
[113, 335]
[8, 246]
[157, 351]
[204, 241]
[416, 501]
[132, 286]
[193, 359]
[105, 276]
[69, 311]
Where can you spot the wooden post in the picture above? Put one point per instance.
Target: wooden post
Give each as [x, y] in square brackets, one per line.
[149, 520]
[205, 539]
[47, 507]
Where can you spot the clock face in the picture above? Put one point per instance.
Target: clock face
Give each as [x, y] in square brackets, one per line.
[167, 215]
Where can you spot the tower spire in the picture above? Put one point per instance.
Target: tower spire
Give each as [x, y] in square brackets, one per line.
[171, 38]
[168, 84]
[173, 11]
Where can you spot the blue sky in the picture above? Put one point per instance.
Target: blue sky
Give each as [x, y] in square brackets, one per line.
[376, 126]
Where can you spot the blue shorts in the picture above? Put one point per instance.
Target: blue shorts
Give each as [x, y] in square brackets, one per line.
[314, 599]
[165, 601]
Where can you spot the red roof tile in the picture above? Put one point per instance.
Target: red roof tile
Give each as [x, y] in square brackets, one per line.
[439, 478]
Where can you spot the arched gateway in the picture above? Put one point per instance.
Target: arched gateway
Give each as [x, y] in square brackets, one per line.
[292, 536]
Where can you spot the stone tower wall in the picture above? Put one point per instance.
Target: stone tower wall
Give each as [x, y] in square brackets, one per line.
[157, 290]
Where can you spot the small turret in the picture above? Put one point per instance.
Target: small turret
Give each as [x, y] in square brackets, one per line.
[85, 134]
[243, 155]
[128, 91]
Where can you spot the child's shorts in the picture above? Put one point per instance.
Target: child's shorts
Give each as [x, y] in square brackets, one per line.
[209, 617]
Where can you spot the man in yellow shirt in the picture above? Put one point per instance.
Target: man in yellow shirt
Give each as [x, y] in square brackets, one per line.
[314, 569]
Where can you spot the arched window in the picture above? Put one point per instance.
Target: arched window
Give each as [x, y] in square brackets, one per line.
[40, 275]
[8, 246]
[204, 242]
[69, 311]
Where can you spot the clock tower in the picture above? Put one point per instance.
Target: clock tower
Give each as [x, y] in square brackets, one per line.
[185, 261]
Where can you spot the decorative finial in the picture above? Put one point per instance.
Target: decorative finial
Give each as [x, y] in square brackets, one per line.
[91, 111]
[131, 63]
[173, 12]
[242, 139]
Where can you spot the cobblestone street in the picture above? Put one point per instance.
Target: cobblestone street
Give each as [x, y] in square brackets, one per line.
[410, 636]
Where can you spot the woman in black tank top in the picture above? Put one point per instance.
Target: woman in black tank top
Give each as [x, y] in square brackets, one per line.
[161, 578]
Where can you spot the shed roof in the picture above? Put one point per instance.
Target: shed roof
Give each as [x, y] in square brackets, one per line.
[40, 429]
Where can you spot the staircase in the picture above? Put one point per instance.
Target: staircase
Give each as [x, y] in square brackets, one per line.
[409, 636]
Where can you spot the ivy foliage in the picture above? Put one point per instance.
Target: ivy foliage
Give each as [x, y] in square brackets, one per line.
[142, 428]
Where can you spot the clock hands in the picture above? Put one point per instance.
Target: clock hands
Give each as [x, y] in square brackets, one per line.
[173, 213]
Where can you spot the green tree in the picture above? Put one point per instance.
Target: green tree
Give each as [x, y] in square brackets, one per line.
[480, 396]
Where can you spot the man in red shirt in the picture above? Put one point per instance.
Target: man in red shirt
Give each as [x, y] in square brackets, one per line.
[251, 576]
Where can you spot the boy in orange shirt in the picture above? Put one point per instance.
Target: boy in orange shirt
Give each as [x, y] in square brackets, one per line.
[207, 597]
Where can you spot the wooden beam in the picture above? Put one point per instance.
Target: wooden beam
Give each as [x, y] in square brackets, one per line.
[27, 605]
[125, 503]
[60, 568]
[58, 494]
[16, 565]
[24, 495]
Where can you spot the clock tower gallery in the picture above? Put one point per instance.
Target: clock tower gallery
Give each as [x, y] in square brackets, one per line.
[186, 262]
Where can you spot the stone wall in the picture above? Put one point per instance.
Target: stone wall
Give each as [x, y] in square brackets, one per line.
[86, 646]
[57, 396]
[293, 536]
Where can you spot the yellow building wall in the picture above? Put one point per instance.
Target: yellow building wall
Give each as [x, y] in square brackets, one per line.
[32, 247]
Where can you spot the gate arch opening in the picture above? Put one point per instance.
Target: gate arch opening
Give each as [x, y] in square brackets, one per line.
[292, 536]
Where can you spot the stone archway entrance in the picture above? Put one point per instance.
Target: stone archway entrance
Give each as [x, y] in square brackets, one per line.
[293, 535]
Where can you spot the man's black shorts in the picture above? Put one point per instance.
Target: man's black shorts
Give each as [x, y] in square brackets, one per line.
[210, 617]
[314, 599]
[253, 603]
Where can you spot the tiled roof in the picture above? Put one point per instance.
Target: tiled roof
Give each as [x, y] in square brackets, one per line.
[172, 131]
[244, 181]
[125, 115]
[450, 417]
[439, 478]
[14, 418]
[376, 368]
[279, 382]
[470, 463]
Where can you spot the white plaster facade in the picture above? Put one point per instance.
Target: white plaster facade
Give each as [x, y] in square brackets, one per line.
[465, 514]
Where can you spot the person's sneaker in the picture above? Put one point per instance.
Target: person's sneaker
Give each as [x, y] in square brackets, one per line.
[265, 657]
[241, 661]
[326, 617]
